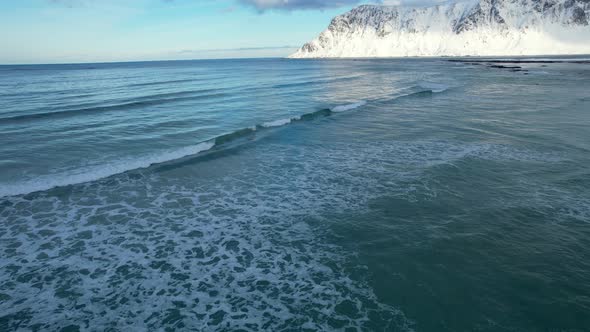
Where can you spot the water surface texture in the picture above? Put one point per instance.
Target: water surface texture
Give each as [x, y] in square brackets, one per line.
[290, 195]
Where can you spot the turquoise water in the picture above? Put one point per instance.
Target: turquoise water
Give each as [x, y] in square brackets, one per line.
[272, 194]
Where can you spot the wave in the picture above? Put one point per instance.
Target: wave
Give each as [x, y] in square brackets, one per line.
[43, 183]
[167, 82]
[344, 108]
[140, 102]
[415, 91]
[316, 81]
[277, 123]
[433, 87]
[47, 182]
[233, 136]
[94, 173]
[313, 115]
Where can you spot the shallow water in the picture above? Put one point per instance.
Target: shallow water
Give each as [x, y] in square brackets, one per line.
[272, 194]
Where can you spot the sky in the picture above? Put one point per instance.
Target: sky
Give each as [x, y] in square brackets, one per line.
[66, 31]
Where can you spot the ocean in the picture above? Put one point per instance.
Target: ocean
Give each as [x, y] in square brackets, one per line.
[295, 195]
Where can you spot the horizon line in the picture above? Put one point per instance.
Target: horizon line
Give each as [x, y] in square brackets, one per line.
[139, 61]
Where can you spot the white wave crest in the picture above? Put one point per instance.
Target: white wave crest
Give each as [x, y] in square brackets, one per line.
[348, 107]
[434, 87]
[278, 123]
[98, 172]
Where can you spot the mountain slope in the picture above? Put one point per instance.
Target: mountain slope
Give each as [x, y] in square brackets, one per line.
[479, 27]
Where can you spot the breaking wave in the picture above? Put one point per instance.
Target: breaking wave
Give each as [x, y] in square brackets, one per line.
[433, 87]
[348, 107]
[310, 116]
[98, 172]
[121, 166]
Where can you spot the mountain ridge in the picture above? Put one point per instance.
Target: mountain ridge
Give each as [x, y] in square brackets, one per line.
[479, 27]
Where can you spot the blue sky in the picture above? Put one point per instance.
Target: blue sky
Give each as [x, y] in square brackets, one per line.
[50, 31]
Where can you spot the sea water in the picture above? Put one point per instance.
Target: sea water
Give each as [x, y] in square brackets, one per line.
[288, 195]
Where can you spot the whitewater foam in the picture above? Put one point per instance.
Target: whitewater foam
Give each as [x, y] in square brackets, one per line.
[233, 255]
[231, 249]
[278, 123]
[94, 173]
[100, 171]
[348, 107]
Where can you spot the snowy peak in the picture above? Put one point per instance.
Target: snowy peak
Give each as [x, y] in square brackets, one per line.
[485, 13]
[483, 27]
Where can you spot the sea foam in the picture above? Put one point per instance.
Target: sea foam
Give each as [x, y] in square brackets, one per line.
[94, 173]
[348, 107]
[278, 123]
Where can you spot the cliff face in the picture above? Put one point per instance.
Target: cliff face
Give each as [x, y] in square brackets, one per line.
[479, 27]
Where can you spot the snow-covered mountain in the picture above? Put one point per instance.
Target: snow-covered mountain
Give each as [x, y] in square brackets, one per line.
[478, 27]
